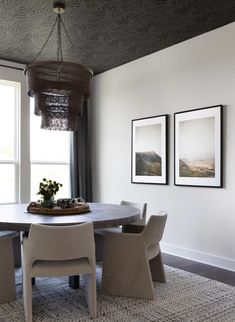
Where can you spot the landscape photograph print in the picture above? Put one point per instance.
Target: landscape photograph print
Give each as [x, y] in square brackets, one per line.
[149, 150]
[198, 147]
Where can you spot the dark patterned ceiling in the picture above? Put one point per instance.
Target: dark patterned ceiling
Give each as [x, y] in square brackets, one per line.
[106, 33]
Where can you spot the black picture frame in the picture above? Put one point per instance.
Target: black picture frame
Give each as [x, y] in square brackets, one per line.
[149, 150]
[198, 147]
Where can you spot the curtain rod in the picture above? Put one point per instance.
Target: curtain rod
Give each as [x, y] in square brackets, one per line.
[18, 68]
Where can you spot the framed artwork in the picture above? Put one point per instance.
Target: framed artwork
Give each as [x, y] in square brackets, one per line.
[149, 150]
[198, 147]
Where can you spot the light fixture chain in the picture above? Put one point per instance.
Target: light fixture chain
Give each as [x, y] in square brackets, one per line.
[66, 34]
[59, 40]
[46, 41]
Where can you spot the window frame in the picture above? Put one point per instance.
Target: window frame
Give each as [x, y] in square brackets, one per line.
[13, 72]
[15, 161]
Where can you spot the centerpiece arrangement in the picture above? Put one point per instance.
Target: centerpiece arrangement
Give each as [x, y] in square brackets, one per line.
[49, 206]
[48, 190]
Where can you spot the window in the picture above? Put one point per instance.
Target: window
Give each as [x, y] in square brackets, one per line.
[9, 107]
[50, 156]
[27, 153]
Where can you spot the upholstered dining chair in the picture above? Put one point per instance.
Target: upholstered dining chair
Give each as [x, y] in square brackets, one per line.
[7, 272]
[131, 262]
[59, 251]
[140, 222]
[100, 233]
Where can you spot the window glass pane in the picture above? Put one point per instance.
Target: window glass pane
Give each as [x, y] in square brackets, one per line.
[59, 173]
[47, 145]
[7, 183]
[7, 121]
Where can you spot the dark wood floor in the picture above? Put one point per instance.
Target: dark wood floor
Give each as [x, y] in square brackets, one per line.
[212, 272]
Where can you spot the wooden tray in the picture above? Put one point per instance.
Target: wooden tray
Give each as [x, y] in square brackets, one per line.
[36, 208]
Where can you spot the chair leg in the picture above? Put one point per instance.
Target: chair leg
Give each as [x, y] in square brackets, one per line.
[27, 293]
[131, 281]
[90, 293]
[157, 269]
[126, 270]
[7, 273]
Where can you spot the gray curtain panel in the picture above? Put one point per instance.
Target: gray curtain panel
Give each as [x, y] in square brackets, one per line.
[81, 157]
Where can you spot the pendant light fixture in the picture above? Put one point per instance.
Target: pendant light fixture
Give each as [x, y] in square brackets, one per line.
[59, 88]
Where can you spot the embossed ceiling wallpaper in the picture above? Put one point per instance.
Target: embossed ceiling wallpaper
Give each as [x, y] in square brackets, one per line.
[106, 33]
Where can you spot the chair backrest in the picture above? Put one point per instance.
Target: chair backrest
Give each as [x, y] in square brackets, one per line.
[154, 229]
[141, 206]
[61, 242]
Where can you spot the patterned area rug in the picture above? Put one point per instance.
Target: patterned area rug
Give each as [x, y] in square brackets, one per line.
[185, 297]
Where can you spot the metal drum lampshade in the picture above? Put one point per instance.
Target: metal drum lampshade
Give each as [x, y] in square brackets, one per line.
[59, 89]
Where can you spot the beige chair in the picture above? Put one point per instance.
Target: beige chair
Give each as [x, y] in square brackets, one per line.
[140, 222]
[141, 206]
[132, 261]
[7, 272]
[100, 233]
[59, 251]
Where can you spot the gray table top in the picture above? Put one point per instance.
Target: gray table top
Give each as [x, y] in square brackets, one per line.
[15, 216]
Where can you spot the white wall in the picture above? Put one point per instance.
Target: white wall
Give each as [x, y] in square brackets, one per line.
[197, 73]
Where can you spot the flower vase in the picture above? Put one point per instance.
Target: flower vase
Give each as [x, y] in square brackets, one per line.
[47, 202]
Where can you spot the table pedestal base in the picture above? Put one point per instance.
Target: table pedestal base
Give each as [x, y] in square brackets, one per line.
[74, 281]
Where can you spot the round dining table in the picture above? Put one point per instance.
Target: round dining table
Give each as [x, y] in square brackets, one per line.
[15, 216]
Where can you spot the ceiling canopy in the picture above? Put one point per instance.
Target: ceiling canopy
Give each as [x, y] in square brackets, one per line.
[106, 33]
